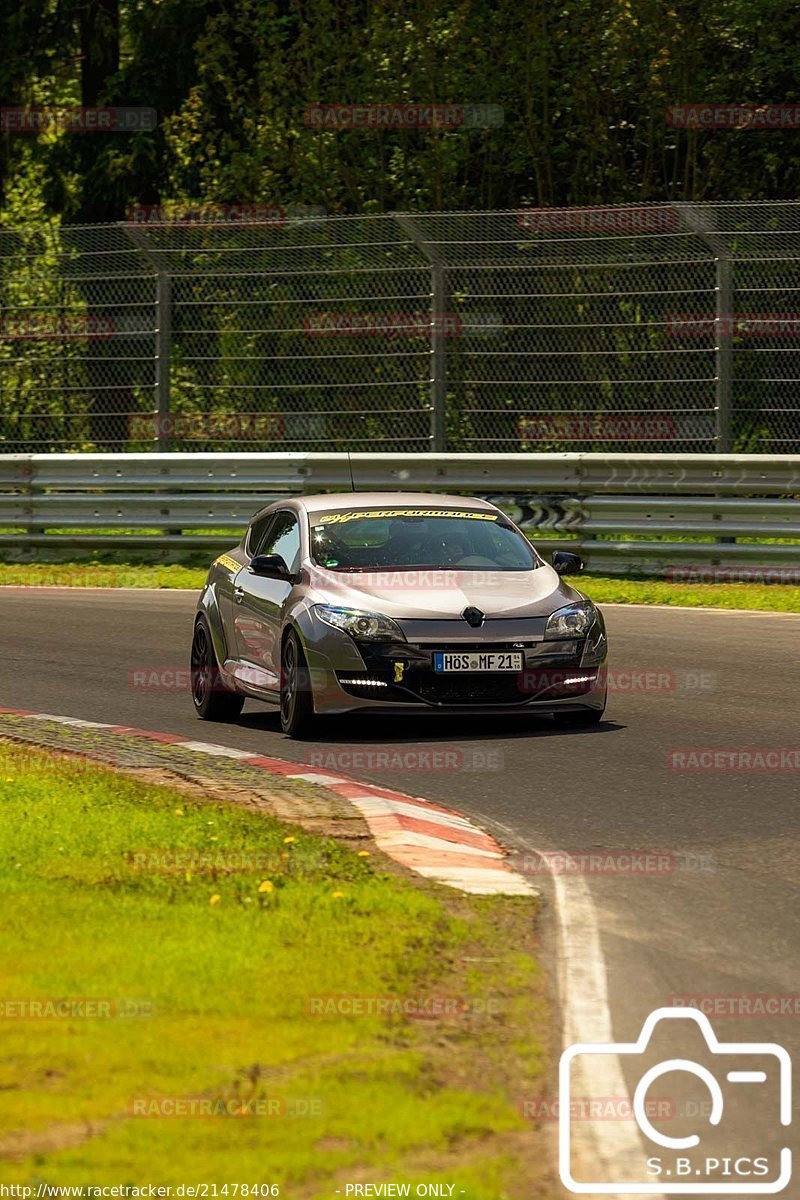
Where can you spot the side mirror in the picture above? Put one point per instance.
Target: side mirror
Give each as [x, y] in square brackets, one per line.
[270, 565]
[566, 563]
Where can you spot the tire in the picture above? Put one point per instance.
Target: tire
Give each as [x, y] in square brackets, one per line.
[212, 702]
[297, 705]
[571, 720]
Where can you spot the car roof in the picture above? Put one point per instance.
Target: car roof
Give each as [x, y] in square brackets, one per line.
[351, 500]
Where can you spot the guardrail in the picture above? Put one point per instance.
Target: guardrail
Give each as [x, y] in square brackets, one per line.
[606, 506]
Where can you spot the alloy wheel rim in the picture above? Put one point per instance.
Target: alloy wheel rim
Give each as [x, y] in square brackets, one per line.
[289, 689]
[199, 666]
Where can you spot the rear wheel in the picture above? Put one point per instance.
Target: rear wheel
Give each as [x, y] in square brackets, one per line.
[212, 701]
[297, 705]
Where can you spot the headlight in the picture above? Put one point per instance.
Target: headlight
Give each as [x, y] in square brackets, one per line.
[363, 626]
[575, 620]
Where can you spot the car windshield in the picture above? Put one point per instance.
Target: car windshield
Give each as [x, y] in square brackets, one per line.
[377, 539]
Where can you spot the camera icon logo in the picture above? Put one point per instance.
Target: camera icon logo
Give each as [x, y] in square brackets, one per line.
[746, 1072]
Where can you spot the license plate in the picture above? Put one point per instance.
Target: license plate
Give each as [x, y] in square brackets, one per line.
[491, 660]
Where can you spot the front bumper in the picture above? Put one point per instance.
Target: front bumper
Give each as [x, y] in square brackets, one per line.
[399, 677]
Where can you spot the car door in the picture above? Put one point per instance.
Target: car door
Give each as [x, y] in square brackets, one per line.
[259, 602]
[226, 581]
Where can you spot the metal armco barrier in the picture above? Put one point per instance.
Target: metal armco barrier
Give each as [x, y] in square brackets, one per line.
[606, 506]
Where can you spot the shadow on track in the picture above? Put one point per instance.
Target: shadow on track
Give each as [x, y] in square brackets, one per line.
[421, 730]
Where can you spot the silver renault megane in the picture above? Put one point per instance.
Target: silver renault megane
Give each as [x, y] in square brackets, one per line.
[394, 603]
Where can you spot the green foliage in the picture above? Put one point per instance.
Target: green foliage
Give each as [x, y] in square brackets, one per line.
[583, 86]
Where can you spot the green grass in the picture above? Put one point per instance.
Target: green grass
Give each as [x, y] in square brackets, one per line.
[105, 574]
[606, 589]
[222, 988]
[602, 588]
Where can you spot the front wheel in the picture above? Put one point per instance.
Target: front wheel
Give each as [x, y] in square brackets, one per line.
[297, 705]
[212, 700]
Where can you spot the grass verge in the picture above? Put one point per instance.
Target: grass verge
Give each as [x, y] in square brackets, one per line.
[208, 980]
[606, 589]
[106, 574]
[602, 588]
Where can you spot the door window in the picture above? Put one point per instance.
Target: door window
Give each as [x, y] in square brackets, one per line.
[284, 538]
[258, 531]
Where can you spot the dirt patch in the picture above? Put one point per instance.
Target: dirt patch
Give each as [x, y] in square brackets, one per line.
[16, 1147]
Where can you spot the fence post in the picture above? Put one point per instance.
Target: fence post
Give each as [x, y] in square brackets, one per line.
[724, 355]
[699, 223]
[439, 332]
[163, 335]
[163, 349]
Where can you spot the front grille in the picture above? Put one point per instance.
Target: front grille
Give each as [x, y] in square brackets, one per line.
[539, 680]
[469, 689]
[426, 649]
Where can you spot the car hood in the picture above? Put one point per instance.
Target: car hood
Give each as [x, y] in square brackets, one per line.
[443, 593]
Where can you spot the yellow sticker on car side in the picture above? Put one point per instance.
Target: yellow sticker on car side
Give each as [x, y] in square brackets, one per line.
[229, 563]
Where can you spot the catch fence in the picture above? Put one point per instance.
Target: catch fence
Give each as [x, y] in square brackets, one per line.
[659, 328]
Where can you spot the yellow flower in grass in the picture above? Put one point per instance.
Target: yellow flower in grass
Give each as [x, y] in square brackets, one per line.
[363, 854]
[267, 886]
[287, 841]
[337, 895]
[215, 899]
[178, 812]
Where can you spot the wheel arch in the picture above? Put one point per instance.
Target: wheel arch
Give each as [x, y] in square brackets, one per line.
[208, 607]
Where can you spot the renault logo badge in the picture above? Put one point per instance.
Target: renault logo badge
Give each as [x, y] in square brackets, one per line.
[473, 617]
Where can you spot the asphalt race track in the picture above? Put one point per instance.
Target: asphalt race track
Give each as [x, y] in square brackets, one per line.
[725, 922]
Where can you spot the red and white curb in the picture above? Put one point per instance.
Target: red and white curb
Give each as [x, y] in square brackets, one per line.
[432, 841]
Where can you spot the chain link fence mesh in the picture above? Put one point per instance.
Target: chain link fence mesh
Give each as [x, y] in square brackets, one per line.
[654, 327]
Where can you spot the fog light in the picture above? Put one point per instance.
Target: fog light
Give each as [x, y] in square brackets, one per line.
[365, 682]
